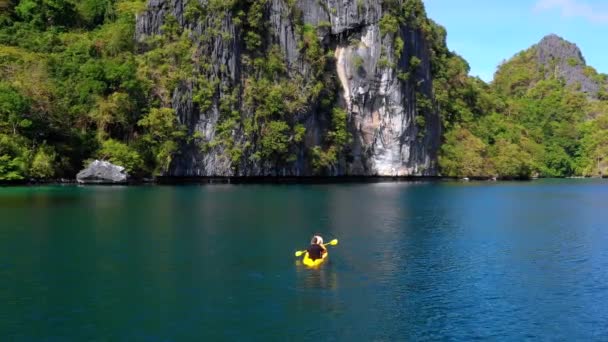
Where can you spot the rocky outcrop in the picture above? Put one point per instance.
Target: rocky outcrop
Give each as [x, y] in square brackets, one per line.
[102, 172]
[383, 82]
[563, 59]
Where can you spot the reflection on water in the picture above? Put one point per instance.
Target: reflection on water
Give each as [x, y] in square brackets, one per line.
[20, 197]
[323, 278]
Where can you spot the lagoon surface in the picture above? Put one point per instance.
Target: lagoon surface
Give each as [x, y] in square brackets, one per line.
[437, 260]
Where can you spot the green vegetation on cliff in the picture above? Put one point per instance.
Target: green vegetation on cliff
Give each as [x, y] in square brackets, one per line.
[75, 85]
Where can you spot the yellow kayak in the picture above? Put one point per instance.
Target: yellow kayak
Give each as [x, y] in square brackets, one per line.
[313, 263]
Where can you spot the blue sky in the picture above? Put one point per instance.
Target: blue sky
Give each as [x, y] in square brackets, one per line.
[487, 32]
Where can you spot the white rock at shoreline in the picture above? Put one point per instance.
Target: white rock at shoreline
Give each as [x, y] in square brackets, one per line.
[100, 172]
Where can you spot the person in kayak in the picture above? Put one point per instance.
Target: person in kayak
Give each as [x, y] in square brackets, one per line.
[316, 249]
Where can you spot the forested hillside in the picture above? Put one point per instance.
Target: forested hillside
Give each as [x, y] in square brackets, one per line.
[260, 87]
[70, 90]
[545, 114]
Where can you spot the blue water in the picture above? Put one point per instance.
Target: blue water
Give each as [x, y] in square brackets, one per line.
[416, 261]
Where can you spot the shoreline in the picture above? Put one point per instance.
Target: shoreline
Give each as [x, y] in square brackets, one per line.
[164, 180]
[296, 179]
[204, 180]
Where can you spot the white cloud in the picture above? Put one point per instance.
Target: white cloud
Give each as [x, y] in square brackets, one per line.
[574, 8]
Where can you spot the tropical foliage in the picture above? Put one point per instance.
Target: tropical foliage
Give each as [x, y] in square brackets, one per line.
[74, 85]
[523, 124]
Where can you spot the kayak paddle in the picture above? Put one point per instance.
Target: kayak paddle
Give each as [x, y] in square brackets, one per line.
[330, 243]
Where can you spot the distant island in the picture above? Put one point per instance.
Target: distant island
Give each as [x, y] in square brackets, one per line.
[282, 88]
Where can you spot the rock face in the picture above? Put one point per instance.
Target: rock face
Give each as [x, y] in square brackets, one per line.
[382, 81]
[102, 172]
[565, 59]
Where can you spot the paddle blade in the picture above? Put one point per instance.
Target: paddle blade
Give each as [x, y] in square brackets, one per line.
[299, 253]
[333, 242]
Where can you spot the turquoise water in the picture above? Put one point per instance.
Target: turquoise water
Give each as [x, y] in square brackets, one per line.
[415, 261]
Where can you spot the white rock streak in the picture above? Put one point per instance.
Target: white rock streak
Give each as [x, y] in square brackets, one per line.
[341, 66]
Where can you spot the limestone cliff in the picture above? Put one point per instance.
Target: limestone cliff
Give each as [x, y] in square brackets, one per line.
[301, 87]
[563, 59]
